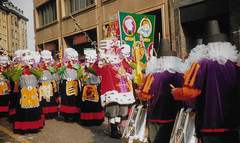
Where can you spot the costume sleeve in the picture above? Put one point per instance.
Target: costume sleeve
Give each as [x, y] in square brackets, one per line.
[76, 66]
[9, 72]
[145, 93]
[97, 69]
[61, 70]
[52, 69]
[16, 75]
[37, 73]
[90, 69]
[79, 73]
[193, 83]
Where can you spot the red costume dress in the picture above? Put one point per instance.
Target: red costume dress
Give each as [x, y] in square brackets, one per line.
[115, 86]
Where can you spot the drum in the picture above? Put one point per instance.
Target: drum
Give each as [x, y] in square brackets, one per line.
[135, 130]
[184, 128]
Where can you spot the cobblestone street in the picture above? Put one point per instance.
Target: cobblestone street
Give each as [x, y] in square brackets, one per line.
[57, 131]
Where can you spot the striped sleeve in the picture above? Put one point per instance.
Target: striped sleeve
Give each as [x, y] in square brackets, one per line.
[193, 82]
[144, 94]
[190, 76]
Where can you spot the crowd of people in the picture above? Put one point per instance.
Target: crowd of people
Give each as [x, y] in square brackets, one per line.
[35, 87]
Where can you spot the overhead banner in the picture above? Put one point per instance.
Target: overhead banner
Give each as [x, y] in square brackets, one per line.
[114, 24]
[135, 30]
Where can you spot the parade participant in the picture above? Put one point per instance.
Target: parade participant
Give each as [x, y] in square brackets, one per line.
[56, 80]
[28, 112]
[47, 86]
[69, 87]
[126, 59]
[116, 92]
[125, 56]
[214, 82]
[162, 108]
[91, 110]
[14, 87]
[37, 57]
[4, 83]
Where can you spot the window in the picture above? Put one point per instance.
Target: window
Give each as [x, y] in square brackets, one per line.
[75, 5]
[12, 34]
[47, 13]
[12, 20]
[89, 2]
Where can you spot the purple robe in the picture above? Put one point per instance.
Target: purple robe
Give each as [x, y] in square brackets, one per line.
[162, 107]
[218, 104]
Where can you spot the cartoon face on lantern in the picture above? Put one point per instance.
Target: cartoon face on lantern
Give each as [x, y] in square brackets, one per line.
[145, 27]
[129, 26]
[46, 56]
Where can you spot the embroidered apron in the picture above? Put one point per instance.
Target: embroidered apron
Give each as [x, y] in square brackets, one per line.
[29, 98]
[90, 93]
[45, 91]
[4, 88]
[71, 88]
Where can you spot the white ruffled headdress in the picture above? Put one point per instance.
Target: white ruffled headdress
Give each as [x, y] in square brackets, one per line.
[197, 53]
[222, 52]
[171, 64]
[151, 65]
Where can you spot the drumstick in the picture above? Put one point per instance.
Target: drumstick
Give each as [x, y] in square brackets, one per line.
[172, 86]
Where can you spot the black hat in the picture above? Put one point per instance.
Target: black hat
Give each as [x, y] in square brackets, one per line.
[213, 34]
[165, 49]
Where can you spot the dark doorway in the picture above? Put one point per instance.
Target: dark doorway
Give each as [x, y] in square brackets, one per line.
[194, 17]
[158, 27]
[79, 47]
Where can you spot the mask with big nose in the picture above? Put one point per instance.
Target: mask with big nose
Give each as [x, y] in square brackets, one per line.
[3, 65]
[46, 60]
[29, 62]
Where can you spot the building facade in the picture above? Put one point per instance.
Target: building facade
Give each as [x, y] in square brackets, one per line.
[190, 17]
[55, 29]
[13, 27]
[175, 21]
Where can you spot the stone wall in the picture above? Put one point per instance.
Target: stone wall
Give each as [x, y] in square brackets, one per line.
[234, 7]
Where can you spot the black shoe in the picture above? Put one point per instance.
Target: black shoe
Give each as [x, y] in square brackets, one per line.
[115, 132]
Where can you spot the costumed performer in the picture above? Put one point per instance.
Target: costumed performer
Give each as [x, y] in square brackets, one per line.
[214, 82]
[28, 112]
[70, 85]
[14, 86]
[162, 108]
[47, 86]
[116, 92]
[91, 110]
[4, 83]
